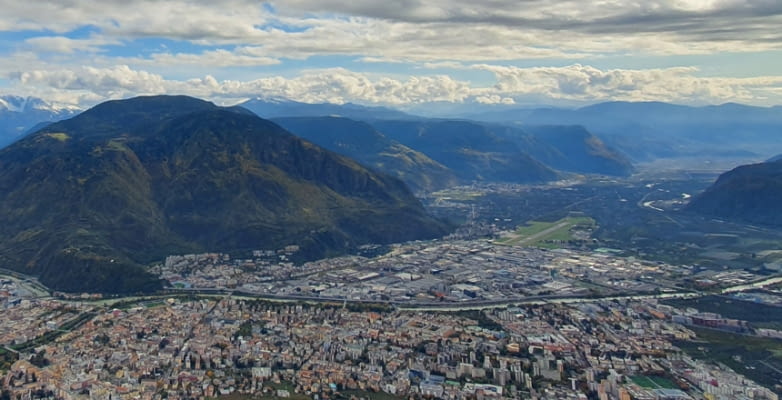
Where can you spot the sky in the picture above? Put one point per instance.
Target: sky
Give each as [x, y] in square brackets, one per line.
[400, 53]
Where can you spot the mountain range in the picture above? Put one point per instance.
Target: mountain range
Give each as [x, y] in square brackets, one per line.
[86, 202]
[472, 151]
[568, 148]
[556, 144]
[643, 131]
[650, 130]
[602, 138]
[280, 108]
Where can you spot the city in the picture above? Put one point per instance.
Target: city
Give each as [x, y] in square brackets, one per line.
[444, 319]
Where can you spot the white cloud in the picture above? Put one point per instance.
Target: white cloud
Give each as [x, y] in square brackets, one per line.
[190, 19]
[495, 99]
[589, 84]
[443, 64]
[105, 82]
[331, 85]
[242, 57]
[65, 45]
[568, 25]
[571, 84]
[418, 30]
[416, 34]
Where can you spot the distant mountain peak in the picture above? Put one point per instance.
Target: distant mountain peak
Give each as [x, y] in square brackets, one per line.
[275, 107]
[20, 115]
[25, 104]
[271, 99]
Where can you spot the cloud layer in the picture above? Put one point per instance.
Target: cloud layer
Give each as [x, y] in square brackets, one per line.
[328, 50]
[417, 29]
[572, 84]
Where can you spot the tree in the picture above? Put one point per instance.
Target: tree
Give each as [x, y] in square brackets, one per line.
[39, 359]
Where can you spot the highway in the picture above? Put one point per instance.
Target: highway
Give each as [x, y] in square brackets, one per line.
[445, 306]
[26, 283]
[42, 292]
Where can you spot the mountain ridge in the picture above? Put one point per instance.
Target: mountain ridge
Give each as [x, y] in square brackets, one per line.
[280, 108]
[569, 148]
[360, 141]
[749, 193]
[471, 150]
[649, 130]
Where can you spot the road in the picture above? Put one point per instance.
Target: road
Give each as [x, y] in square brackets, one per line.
[444, 306]
[426, 306]
[754, 285]
[26, 283]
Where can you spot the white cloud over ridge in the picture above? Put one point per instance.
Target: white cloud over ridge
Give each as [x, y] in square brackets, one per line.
[575, 84]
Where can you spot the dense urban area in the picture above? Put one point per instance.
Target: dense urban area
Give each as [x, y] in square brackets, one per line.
[452, 319]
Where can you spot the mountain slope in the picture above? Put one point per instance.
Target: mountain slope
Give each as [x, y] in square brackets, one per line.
[85, 202]
[750, 193]
[471, 150]
[361, 142]
[570, 148]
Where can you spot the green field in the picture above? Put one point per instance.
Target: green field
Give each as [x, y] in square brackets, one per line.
[547, 234]
[653, 382]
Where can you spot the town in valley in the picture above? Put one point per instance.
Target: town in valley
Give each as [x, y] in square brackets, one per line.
[541, 313]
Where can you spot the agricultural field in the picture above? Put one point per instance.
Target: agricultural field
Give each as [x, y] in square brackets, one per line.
[550, 234]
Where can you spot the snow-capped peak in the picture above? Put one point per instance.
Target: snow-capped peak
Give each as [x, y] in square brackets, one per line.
[25, 104]
[13, 103]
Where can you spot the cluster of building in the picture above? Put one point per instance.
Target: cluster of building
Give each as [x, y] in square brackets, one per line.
[197, 348]
[24, 319]
[714, 278]
[555, 326]
[425, 272]
[11, 293]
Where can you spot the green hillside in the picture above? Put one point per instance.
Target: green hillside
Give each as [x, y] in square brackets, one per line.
[86, 202]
